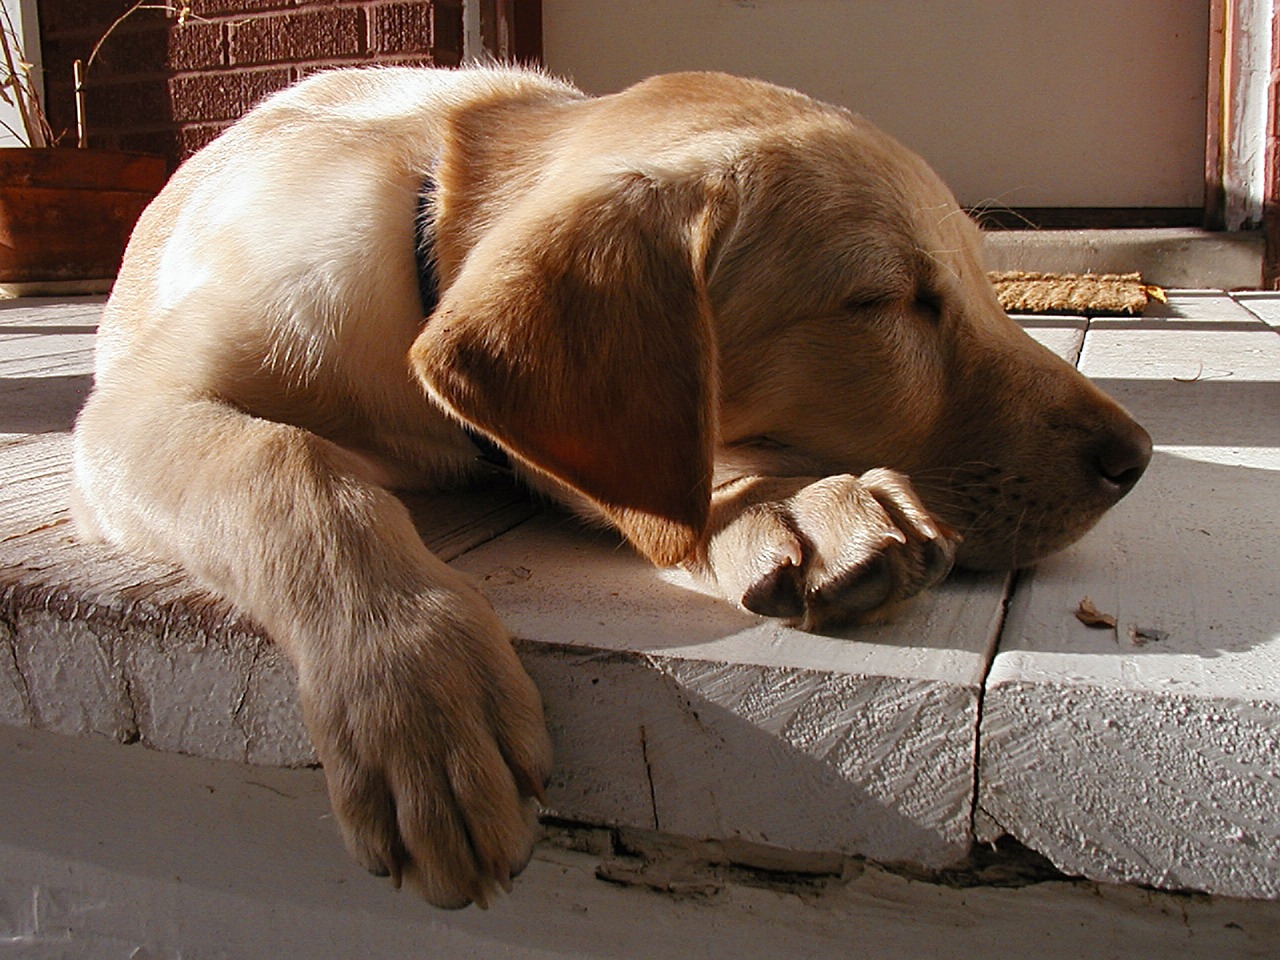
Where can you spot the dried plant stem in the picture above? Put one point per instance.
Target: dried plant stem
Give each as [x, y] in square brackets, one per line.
[82, 129]
[182, 11]
[25, 100]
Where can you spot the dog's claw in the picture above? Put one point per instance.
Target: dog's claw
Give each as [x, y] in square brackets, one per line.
[780, 593]
[939, 556]
[502, 876]
[530, 785]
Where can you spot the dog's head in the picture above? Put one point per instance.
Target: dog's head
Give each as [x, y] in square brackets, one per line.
[713, 270]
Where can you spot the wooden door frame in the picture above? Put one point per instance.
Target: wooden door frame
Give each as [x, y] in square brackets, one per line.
[511, 30]
[1238, 123]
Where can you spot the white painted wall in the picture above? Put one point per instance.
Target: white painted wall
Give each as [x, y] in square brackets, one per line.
[1063, 103]
[22, 14]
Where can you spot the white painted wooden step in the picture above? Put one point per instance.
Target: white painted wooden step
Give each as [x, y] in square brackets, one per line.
[671, 710]
[1150, 753]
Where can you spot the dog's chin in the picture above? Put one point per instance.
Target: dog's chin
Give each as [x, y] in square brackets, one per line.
[1015, 549]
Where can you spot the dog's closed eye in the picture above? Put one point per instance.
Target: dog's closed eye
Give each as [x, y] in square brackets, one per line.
[927, 304]
[862, 301]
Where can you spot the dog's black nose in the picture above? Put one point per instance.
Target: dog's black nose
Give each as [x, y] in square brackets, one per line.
[1122, 456]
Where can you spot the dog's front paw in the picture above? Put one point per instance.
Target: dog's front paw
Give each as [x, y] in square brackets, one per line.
[434, 748]
[837, 549]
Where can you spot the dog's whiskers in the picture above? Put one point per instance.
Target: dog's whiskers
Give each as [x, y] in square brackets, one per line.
[983, 208]
[940, 262]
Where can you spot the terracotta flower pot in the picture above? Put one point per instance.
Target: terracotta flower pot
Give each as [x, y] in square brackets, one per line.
[66, 215]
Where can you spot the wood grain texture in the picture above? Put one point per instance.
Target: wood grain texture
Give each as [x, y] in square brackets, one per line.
[1150, 753]
[674, 711]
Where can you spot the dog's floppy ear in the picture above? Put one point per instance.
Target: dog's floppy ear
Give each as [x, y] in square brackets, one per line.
[577, 335]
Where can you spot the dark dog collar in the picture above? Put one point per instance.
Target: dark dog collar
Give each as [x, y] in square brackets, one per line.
[424, 251]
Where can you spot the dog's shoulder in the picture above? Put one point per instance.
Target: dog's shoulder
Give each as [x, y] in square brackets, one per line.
[377, 96]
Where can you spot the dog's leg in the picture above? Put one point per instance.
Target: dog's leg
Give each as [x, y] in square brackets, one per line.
[825, 550]
[430, 731]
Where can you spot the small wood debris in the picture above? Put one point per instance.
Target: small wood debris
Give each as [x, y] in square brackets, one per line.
[1141, 636]
[680, 879]
[1091, 616]
[508, 576]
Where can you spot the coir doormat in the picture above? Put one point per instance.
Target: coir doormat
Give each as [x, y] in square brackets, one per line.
[1116, 294]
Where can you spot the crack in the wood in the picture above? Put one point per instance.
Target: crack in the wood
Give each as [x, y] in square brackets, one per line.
[10, 633]
[131, 733]
[238, 710]
[1000, 827]
[50, 525]
[648, 772]
[996, 640]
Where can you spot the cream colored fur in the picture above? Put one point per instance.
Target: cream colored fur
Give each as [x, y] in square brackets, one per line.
[727, 319]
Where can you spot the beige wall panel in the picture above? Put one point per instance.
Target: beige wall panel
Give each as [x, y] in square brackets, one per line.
[1019, 103]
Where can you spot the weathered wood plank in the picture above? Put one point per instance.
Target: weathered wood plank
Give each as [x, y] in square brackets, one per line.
[52, 313]
[111, 852]
[1150, 752]
[453, 522]
[672, 710]
[1263, 304]
[46, 363]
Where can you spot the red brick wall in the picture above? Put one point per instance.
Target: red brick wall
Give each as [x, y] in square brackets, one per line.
[165, 86]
